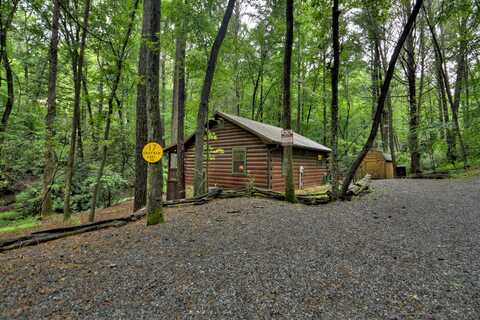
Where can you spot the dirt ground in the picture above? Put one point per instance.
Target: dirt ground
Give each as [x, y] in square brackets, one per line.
[409, 250]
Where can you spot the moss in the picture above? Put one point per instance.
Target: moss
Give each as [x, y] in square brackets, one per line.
[155, 217]
[10, 215]
[19, 225]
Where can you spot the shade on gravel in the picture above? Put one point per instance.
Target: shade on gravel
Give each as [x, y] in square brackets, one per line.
[410, 250]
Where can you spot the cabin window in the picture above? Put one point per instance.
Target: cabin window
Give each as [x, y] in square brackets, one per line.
[239, 161]
[322, 160]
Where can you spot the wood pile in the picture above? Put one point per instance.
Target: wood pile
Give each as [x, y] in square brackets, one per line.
[359, 187]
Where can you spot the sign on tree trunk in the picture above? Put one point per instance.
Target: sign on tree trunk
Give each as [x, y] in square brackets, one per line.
[287, 137]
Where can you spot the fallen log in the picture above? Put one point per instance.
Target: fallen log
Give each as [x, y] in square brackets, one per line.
[435, 176]
[52, 234]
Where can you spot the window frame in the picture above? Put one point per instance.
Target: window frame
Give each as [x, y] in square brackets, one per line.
[245, 163]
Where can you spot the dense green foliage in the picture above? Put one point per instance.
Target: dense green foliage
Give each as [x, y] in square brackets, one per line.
[248, 79]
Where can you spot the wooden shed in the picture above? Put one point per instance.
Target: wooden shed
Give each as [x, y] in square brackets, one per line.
[242, 151]
[378, 164]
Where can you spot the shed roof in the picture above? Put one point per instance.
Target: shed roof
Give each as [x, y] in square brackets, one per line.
[267, 133]
[387, 157]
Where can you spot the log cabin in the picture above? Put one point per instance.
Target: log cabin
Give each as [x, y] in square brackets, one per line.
[241, 151]
[378, 164]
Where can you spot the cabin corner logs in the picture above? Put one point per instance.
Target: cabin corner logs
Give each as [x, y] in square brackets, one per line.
[241, 152]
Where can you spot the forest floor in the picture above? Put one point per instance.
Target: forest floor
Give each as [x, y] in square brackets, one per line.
[409, 250]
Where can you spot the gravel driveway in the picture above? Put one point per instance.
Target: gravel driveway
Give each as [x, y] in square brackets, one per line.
[410, 250]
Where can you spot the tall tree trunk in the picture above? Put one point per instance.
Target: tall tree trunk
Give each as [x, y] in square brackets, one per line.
[457, 98]
[118, 75]
[334, 115]
[383, 95]
[151, 16]
[205, 96]
[181, 57]
[237, 83]
[449, 139]
[67, 211]
[390, 115]
[324, 97]
[299, 85]
[4, 26]
[454, 101]
[287, 117]
[411, 70]
[99, 117]
[141, 131]
[49, 170]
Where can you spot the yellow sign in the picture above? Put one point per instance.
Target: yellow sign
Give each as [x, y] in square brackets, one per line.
[152, 152]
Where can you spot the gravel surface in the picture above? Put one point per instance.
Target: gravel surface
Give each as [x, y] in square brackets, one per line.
[410, 250]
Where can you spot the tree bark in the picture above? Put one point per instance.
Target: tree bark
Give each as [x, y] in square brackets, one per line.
[141, 131]
[381, 101]
[411, 70]
[287, 117]
[4, 26]
[205, 96]
[334, 114]
[151, 16]
[67, 211]
[49, 167]
[181, 57]
[119, 68]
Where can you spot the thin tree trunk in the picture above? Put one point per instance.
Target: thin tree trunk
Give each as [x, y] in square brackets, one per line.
[349, 106]
[119, 68]
[299, 85]
[151, 16]
[91, 120]
[287, 117]
[99, 117]
[254, 95]
[67, 211]
[49, 169]
[381, 101]
[334, 114]
[237, 58]
[79, 136]
[324, 97]
[205, 96]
